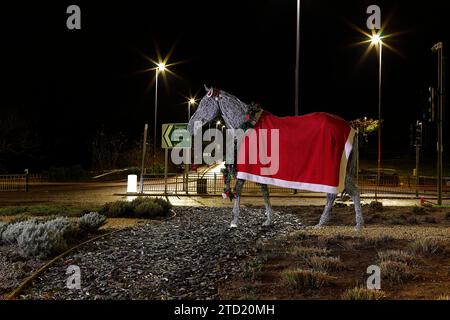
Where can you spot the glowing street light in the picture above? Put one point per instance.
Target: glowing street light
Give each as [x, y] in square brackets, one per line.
[191, 102]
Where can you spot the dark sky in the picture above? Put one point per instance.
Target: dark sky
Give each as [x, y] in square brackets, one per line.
[68, 84]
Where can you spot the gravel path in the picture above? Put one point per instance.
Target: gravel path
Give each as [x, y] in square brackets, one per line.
[178, 259]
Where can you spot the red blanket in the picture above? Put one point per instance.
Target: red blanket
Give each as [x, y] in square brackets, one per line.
[313, 152]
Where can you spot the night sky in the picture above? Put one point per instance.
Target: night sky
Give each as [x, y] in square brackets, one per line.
[68, 84]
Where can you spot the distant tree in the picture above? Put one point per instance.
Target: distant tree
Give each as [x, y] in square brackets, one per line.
[106, 150]
[20, 142]
[365, 127]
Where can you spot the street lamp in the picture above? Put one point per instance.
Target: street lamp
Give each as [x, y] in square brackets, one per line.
[376, 40]
[217, 123]
[191, 102]
[160, 67]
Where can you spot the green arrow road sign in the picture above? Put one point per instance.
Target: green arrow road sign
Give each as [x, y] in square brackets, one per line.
[175, 135]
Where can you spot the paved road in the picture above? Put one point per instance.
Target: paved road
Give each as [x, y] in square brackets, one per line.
[99, 193]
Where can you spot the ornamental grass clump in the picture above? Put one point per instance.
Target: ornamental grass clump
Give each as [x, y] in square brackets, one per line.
[395, 272]
[397, 256]
[304, 279]
[428, 246]
[359, 293]
[325, 264]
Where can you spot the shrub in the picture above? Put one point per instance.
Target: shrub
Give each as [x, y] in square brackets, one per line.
[426, 246]
[41, 241]
[395, 272]
[376, 206]
[251, 269]
[140, 207]
[91, 221]
[325, 264]
[419, 210]
[40, 238]
[447, 215]
[358, 293]
[430, 220]
[397, 256]
[118, 209]
[14, 230]
[304, 279]
[305, 252]
[148, 209]
[3, 227]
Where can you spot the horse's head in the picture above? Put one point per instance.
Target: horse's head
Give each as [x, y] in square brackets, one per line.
[215, 102]
[207, 111]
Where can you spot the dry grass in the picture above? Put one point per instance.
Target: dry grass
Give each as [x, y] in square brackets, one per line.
[305, 252]
[426, 246]
[395, 272]
[397, 256]
[325, 264]
[304, 279]
[359, 293]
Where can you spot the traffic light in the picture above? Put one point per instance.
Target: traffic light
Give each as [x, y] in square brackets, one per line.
[431, 104]
[418, 133]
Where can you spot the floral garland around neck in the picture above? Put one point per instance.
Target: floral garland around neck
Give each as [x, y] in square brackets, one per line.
[229, 171]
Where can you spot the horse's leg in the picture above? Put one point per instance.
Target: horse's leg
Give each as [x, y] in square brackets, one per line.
[352, 188]
[265, 192]
[326, 211]
[353, 192]
[237, 201]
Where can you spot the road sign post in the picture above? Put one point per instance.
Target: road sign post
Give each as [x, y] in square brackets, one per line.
[169, 141]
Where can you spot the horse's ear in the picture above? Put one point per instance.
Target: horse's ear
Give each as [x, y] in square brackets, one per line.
[206, 88]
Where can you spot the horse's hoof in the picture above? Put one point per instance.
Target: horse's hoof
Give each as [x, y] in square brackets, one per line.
[233, 225]
[318, 226]
[358, 228]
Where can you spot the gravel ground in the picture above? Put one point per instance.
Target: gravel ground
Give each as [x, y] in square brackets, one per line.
[14, 268]
[183, 258]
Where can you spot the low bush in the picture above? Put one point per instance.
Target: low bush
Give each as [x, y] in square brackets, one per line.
[141, 207]
[419, 210]
[91, 221]
[426, 246]
[376, 206]
[46, 238]
[359, 293]
[395, 272]
[304, 279]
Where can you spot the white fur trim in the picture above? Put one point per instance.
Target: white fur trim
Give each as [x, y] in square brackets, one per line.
[286, 184]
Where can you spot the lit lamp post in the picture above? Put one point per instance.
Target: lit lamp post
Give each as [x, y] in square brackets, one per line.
[160, 67]
[376, 40]
[217, 124]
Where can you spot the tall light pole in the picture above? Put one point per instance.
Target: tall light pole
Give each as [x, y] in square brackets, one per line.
[439, 49]
[297, 60]
[376, 39]
[161, 67]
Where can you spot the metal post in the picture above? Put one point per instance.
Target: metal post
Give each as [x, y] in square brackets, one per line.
[166, 161]
[156, 114]
[26, 180]
[439, 48]
[417, 168]
[297, 60]
[144, 151]
[379, 119]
